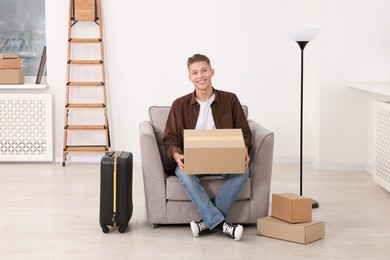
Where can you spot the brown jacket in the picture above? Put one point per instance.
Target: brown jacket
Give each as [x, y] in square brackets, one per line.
[227, 113]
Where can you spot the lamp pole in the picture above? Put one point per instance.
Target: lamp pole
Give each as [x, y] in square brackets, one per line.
[302, 38]
[302, 45]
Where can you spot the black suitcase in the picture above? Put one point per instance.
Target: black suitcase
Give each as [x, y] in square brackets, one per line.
[116, 191]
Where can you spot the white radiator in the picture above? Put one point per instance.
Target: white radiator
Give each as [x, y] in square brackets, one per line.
[26, 127]
[381, 174]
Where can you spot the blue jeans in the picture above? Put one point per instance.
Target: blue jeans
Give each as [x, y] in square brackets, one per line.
[213, 213]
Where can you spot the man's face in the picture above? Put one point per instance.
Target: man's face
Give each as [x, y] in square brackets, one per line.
[200, 74]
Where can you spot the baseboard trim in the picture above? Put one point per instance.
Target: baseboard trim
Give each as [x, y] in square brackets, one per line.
[326, 166]
[307, 160]
[79, 158]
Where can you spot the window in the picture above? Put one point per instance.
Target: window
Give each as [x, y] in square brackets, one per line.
[22, 31]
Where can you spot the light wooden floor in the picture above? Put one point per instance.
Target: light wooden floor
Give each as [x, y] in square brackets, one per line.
[51, 212]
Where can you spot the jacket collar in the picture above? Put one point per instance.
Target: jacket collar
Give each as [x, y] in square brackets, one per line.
[193, 97]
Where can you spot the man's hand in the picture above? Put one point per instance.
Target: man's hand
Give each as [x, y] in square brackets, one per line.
[247, 159]
[179, 158]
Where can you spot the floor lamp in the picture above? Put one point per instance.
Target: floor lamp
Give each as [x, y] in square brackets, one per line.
[303, 37]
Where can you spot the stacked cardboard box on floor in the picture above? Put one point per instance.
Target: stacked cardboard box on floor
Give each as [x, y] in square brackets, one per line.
[11, 69]
[291, 220]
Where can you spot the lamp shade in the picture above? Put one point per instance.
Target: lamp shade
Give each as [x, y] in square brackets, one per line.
[303, 34]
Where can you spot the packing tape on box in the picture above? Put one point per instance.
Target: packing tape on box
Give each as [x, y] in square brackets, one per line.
[213, 138]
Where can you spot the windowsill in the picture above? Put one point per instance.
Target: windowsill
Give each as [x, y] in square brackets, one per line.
[382, 88]
[28, 84]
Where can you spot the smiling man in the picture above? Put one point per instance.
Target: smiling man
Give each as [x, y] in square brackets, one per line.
[207, 108]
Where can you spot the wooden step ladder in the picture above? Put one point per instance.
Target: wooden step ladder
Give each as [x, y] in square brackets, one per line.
[86, 11]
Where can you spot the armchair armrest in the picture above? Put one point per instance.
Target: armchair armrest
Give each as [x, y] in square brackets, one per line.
[261, 164]
[153, 173]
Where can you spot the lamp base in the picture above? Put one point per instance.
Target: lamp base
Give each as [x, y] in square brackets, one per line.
[314, 204]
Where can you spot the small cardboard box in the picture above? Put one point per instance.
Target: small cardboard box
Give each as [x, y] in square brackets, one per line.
[10, 61]
[9, 56]
[291, 207]
[214, 151]
[11, 76]
[303, 233]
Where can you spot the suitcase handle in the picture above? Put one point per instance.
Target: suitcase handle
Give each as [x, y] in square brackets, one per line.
[110, 154]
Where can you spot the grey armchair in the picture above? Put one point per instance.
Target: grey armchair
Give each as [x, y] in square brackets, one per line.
[167, 202]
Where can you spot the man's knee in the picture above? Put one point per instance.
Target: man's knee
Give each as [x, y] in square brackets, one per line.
[185, 178]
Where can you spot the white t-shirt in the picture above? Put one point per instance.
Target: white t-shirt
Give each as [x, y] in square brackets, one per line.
[205, 118]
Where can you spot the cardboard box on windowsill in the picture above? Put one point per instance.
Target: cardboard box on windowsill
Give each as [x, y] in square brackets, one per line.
[9, 56]
[214, 151]
[11, 76]
[10, 61]
[291, 207]
[303, 233]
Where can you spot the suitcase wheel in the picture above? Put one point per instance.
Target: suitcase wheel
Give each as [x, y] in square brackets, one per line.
[121, 229]
[105, 229]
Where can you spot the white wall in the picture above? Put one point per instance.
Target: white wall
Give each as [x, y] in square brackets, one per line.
[147, 43]
[354, 47]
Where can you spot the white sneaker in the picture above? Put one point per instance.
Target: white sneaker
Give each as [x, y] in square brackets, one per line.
[233, 231]
[198, 227]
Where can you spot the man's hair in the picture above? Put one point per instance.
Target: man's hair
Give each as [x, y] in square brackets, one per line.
[197, 58]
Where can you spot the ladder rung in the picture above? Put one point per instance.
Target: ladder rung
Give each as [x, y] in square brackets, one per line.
[85, 40]
[86, 148]
[85, 105]
[85, 84]
[86, 127]
[85, 62]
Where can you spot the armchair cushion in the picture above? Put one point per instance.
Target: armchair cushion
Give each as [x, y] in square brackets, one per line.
[211, 184]
[158, 115]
